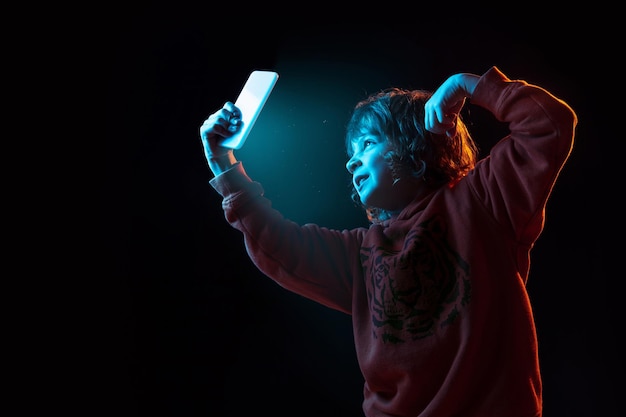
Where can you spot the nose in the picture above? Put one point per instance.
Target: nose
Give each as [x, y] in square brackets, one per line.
[352, 164]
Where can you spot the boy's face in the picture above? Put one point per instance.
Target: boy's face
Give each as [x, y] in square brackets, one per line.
[372, 177]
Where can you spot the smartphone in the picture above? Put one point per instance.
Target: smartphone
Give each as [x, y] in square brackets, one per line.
[251, 100]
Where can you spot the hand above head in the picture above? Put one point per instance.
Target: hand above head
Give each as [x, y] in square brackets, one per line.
[443, 108]
[220, 125]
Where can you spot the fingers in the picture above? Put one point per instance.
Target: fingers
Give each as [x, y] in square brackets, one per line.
[442, 124]
[233, 110]
[441, 114]
[223, 122]
[443, 108]
[439, 122]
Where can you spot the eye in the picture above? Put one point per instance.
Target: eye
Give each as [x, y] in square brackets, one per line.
[363, 143]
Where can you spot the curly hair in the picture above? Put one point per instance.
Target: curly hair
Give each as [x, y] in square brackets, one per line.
[398, 115]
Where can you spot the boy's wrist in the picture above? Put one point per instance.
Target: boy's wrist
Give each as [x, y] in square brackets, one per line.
[222, 163]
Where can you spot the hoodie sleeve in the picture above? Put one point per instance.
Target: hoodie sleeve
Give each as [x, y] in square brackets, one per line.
[315, 262]
[515, 180]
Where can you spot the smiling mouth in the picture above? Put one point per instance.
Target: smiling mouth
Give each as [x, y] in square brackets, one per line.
[359, 180]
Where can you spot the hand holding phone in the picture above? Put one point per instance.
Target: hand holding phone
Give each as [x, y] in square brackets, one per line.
[251, 100]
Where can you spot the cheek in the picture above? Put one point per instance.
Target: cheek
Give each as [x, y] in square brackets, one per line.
[382, 170]
[382, 181]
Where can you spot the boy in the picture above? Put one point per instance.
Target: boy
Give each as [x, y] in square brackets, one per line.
[435, 285]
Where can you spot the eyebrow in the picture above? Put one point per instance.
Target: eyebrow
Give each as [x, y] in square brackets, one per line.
[357, 143]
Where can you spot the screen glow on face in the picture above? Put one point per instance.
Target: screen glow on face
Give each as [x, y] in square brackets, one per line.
[371, 175]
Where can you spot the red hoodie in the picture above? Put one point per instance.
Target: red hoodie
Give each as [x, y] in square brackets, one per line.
[442, 321]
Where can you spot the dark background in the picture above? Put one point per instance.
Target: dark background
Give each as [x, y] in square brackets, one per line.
[190, 327]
